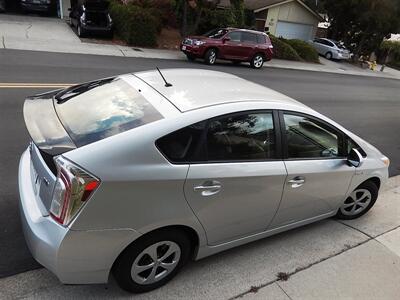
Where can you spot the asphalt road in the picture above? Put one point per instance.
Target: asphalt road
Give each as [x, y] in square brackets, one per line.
[368, 106]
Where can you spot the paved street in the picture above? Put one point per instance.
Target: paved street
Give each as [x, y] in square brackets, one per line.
[368, 106]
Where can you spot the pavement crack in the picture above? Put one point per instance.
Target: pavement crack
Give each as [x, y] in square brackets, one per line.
[27, 30]
[356, 229]
[277, 283]
[255, 289]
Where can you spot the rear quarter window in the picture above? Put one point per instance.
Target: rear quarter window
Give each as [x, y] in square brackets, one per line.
[261, 39]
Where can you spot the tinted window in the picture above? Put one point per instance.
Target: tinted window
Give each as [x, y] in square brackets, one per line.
[249, 38]
[261, 39]
[306, 138]
[235, 36]
[183, 145]
[94, 111]
[241, 137]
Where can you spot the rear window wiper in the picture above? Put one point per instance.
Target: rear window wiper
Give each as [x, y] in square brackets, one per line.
[75, 90]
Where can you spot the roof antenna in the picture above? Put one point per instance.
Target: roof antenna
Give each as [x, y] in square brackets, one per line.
[167, 84]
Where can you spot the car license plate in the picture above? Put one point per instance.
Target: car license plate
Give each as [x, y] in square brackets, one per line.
[183, 47]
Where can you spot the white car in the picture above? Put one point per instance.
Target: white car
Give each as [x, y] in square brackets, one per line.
[137, 175]
[331, 49]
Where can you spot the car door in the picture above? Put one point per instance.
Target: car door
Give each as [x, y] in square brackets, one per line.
[236, 185]
[248, 46]
[318, 173]
[318, 45]
[230, 48]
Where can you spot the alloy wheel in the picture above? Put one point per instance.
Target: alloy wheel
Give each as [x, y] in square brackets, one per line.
[155, 262]
[212, 57]
[357, 202]
[258, 61]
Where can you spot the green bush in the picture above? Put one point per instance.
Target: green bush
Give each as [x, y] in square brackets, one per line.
[304, 50]
[134, 24]
[283, 50]
[215, 18]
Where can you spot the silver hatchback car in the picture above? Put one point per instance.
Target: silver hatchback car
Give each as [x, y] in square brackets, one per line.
[137, 175]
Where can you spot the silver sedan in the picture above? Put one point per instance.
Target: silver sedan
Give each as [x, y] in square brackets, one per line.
[139, 173]
[331, 49]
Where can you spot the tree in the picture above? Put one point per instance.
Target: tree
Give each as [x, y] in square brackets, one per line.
[362, 24]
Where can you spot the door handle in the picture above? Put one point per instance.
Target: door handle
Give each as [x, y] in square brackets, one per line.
[208, 188]
[296, 182]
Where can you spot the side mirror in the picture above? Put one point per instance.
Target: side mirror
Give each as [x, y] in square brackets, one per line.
[355, 158]
[226, 39]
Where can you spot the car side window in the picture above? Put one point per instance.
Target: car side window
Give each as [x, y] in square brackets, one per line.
[183, 145]
[308, 138]
[247, 136]
[261, 39]
[249, 38]
[234, 36]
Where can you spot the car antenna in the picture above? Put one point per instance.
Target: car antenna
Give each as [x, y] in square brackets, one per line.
[167, 84]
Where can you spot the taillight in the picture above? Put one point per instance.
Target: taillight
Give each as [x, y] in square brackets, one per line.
[73, 188]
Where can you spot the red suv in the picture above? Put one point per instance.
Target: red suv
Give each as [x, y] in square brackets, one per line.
[232, 44]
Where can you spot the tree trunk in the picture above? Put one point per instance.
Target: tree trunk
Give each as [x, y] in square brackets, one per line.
[184, 21]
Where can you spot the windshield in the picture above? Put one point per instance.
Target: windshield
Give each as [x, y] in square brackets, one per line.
[216, 33]
[103, 109]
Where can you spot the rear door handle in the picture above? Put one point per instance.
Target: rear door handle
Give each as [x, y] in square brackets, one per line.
[208, 188]
[296, 182]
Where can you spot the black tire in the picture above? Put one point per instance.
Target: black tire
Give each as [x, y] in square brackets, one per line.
[257, 61]
[373, 190]
[211, 56]
[328, 55]
[190, 57]
[122, 267]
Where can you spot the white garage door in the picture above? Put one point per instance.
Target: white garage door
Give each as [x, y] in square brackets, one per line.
[294, 31]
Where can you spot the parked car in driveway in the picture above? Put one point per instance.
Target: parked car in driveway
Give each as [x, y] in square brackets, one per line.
[44, 6]
[331, 49]
[91, 18]
[236, 45]
[135, 175]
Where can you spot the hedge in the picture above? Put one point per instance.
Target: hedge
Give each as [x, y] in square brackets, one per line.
[304, 50]
[283, 50]
[134, 24]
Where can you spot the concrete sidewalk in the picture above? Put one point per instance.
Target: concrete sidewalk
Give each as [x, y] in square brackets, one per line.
[330, 259]
[54, 35]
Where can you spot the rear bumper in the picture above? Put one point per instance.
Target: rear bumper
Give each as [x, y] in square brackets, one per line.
[97, 30]
[75, 257]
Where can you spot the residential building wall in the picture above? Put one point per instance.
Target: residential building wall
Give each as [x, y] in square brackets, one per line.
[289, 12]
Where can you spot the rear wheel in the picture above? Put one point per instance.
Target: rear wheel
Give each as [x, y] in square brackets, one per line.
[211, 56]
[359, 201]
[257, 61]
[152, 261]
[328, 55]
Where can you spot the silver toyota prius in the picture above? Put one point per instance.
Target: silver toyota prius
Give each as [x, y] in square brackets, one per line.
[136, 174]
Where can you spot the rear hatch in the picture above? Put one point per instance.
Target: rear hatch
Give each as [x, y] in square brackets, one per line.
[64, 120]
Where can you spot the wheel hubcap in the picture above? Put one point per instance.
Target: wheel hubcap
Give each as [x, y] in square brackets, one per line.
[212, 58]
[357, 202]
[258, 60]
[155, 262]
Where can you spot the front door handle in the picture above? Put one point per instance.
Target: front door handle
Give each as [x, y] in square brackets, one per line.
[208, 188]
[296, 182]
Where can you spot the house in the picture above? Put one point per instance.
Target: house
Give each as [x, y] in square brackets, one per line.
[291, 19]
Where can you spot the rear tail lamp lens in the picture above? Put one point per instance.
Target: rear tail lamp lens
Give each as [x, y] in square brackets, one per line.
[73, 188]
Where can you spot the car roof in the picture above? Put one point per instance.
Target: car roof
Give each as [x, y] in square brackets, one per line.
[245, 30]
[195, 88]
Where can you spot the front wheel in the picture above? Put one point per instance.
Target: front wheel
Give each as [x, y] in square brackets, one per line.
[210, 57]
[257, 61]
[359, 201]
[152, 261]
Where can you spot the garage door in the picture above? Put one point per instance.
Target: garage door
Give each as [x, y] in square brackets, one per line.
[294, 31]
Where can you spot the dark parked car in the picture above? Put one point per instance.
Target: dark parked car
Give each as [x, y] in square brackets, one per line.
[237, 45]
[91, 18]
[44, 6]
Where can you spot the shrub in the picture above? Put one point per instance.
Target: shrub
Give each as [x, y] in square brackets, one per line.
[136, 25]
[304, 50]
[283, 50]
[215, 18]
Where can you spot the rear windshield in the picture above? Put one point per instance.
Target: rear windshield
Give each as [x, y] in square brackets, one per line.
[101, 109]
